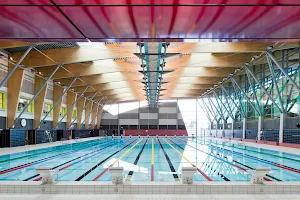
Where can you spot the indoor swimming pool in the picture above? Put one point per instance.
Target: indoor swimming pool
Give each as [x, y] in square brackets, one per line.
[150, 159]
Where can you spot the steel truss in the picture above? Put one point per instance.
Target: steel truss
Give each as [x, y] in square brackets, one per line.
[257, 90]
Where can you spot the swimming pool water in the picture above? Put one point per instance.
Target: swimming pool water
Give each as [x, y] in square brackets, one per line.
[150, 159]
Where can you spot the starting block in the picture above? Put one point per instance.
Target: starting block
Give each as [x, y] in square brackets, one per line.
[187, 174]
[258, 174]
[46, 173]
[117, 174]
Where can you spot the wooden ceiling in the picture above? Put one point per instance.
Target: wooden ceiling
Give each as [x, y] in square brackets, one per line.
[112, 69]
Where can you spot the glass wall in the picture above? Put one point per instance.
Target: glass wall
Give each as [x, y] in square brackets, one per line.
[183, 114]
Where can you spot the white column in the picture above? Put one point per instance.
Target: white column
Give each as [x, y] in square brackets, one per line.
[232, 127]
[216, 129]
[260, 127]
[244, 128]
[223, 128]
[282, 126]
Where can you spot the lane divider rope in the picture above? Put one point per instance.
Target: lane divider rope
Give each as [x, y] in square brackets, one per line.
[152, 161]
[201, 172]
[67, 166]
[124, 154]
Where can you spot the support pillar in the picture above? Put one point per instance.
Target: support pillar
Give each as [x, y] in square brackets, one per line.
[87, 113]
[39, 100]
[282, 126]
[260, 127]
[211, 126]
[94, 113]
[14, 85]
[99, 116]
[80, 105]
[71, 97]
[216, 128]
[57, 92]
[223, 128]
[40, 88]
[232, 127]
[244, 128]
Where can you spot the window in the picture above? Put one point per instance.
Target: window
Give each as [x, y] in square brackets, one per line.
[3, 100]
[111, 108]
[74, 113]
[47, 108]
[63, 111]
[23, 103]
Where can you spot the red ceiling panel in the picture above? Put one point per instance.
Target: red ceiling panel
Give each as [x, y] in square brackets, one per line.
[135, 23]
[174, 2]
[147, 2]
[34, 22]
[25, 2]
[248, 22]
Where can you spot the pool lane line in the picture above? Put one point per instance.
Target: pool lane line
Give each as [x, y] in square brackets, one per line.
[225, 161]
[277, 179]
[101, 162]
[128, 178]
[199, 170]
[112, 143]
[45, 159]
[152, 161]
[31, 177]
[38, 179]
[175, 175]
[105, 143]
[63, 168]
[214, 170]
[64, 147]
[241, 168]
[124, 154]
[258, 159]
[263, 160]
[38, 161]
[282, 157]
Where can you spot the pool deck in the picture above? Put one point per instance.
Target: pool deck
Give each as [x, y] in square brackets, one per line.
[149, 197]
[11, 150]
[17, 187]
[260, 145]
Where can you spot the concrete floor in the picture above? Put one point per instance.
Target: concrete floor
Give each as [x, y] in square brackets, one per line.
[144, 197]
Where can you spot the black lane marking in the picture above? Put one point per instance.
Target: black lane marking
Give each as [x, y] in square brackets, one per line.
[27, 179]
[221, 175]
[260, 159]
[136, 161]
[277, 179]
[101, 162]
[169, 162]
[83, 156]
[43, 159]
[255, 158]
